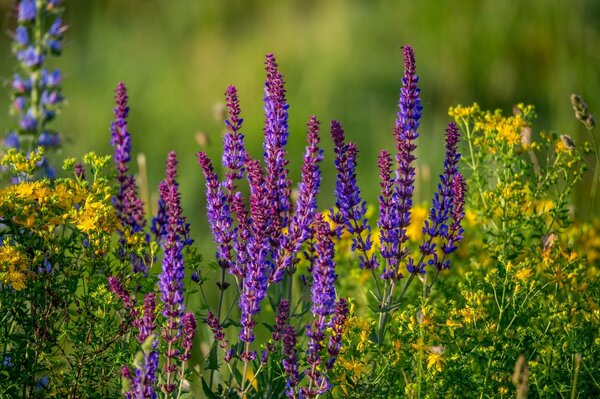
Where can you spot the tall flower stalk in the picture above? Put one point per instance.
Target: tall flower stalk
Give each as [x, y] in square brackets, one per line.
[171, 334]
[395, 200]
[37, 95]
[128, 205]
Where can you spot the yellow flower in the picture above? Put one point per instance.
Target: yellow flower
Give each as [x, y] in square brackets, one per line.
[16, 279]
[523, 274]
[419, 345]
[463, 112]
[435, 360]
[468, 315]
[13, 264]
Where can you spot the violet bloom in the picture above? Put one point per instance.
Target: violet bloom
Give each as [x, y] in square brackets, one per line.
[147, 324]
[388, 217]
[276, 138]
[241, 237]
[290, 361]
[216, 329]
[20, 84]
[79, 171]
[405, 132]
[323, 303]
[128, 206]
[281, 319]
[306, 206]
[437, 225]
[189, 331]
[144, 378]
[21, 36]
[338, 325]
[455, 231]
[254, 285]
[171, 280]
[27, 10]
[351, 209]
[11, 140]
[323, 288]
[234, 150]
[30, 57]
[48, 139]
[118, 288]
[159, 222]
[219, 216]
[29, 122]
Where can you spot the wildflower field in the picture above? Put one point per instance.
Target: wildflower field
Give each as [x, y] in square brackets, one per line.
[488, 289]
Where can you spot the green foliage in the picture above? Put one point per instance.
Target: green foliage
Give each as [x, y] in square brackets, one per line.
[61, 335]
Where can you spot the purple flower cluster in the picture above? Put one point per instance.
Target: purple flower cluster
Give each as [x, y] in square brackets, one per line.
[219, 216]
[159, 222]
[394, 218]
[397, 188]
[37, 95]
[216, 329]
[306, 206]
[234, 154]
[290, 361]
[276, 138]
[260, 243]
[351, 209]
[128, 206]
[178, 328]
[443, 207]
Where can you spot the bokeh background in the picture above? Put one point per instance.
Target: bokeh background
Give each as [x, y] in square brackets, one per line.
[341, 60]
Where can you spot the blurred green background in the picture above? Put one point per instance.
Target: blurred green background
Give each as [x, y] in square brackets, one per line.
[341, 59]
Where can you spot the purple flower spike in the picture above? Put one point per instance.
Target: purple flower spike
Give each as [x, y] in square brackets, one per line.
[276, 137]
[242, 235]
[281, 319]
[338, 324]
[234, 150]
[455, 231]
[216, 329]
[351, 209]
[306, 207]
[254, 285]
[147, 324]
[171, 278]
[323, 303]
[189, 331]
[442, 206]
[323, 289]
[129, 207]
[159, 222]
[388, 216]
[405, 132]
[290, 361]
[219, 216]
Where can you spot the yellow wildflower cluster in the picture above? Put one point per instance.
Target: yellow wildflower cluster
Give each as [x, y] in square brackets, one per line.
[13, 266]
[48, 209]
[490, 129]
[20, 164]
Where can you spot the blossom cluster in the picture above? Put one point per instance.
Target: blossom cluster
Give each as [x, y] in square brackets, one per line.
[395, 201]
[37, 94]
[259, 238]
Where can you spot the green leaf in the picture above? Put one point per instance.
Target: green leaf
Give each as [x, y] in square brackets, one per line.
[205, 388]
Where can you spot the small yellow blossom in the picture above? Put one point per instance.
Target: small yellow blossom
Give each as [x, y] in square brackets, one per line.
[523, 274]
[435, 360]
